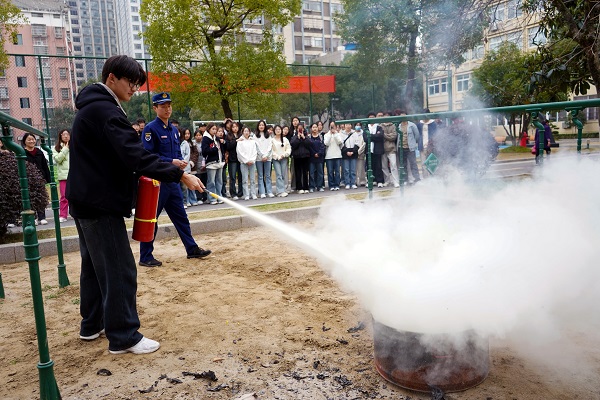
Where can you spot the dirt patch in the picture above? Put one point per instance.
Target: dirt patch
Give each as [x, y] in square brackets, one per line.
[258, 313]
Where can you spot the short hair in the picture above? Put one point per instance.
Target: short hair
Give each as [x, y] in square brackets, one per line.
[123, 66]
[140, 120]
[371, 113]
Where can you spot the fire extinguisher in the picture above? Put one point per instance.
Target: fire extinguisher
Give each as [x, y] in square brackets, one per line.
[145, 209]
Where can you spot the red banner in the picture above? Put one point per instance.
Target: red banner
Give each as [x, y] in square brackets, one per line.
[166, 82]
[318, 84]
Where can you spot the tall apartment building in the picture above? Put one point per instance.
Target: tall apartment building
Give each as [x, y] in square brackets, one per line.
[130, 27]
[45, 34]
[313, 33]
[445, 89]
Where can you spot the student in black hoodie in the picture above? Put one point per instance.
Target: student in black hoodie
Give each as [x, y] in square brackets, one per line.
[106, 158]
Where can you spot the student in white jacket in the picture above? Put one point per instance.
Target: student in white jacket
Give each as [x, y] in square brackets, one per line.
[247, 152]
[263, 160]
[281, 153]
[333, 156]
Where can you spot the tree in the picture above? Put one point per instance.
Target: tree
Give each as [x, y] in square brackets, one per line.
[389, 32]
[502, 80]
[571, 57]
[213, 33]
[10, 18]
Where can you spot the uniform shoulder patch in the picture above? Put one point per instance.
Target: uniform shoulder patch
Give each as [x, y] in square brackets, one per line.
[148, 136]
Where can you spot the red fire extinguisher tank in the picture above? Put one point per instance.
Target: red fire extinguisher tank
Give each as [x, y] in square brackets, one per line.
[145, 209]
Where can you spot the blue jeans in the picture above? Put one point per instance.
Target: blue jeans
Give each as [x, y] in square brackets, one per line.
[248, 172]
[316, 179]
[108, 281]
[350, 171]
[265, 185]
[280, 174]
[214, 182]
[333, 172]
[235, 176]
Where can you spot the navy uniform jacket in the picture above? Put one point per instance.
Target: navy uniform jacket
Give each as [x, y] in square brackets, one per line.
[162, 139]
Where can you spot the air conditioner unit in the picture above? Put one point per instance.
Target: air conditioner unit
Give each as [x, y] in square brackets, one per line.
[493, 27]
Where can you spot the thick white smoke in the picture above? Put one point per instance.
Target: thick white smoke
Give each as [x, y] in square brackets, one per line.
[520, 261]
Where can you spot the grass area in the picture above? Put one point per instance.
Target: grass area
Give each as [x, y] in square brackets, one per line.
[515, 149]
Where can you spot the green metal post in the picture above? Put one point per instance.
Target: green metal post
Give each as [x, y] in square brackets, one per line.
[579, 124]
[63, 279]
[48, 386]
[310, 105]
[401, 171]
[365, 124]
[539, 156]
[1, 287]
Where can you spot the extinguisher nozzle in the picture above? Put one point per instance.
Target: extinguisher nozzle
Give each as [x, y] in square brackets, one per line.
[212, 194]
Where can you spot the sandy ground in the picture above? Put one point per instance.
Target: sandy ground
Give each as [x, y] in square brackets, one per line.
[267, 324]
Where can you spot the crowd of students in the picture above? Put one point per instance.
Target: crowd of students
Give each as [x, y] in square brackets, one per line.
[237, 161]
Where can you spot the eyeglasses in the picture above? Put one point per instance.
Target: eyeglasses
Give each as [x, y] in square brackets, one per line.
[132, 86]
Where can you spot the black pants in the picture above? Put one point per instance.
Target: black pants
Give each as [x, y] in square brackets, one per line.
[301, 169]
[377, 169]
[108, 281]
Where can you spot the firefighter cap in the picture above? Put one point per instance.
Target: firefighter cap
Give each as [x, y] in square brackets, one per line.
[160, 98]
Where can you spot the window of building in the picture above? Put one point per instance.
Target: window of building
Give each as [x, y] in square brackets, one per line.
[58, 32]
[48, 92]
[495, 42]
[135, 9]
[318, 42]
[22, 81]
[591, 113]
[80, 75]
[515, 8]
[136, 28]
[64, 93]
[75, 30]
[3, 93]
[336, 8]
[135, 18]
[462, 82]
[60, 51]
[37, 15]
[20, 61]
[312, 6]
[28, 121]
[74, 12]
[18, 40]
[56, 16]
[137, 46]
[76, 48]
[536, 37]
[478, 52]
[24, 102]
[438, 86]
[498, 12]
[62, 73]
[77, 39]
[74, 22]
[516, 38]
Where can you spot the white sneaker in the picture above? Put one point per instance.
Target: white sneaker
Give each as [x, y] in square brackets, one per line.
[92, 337]
[10, 225]
[185, 206]
[144, 346]
[284, 194]
[332, 189]
[337, 188]
[61, 219]
[310, 190]
[44, 222]
[271, 195]
[379, 185]
[396, 185]
[189, 204]
[247, 198]
[254, 197]
[354, 187]
[321, 190]
[385, 184]
[300, 191]
[347, 187]
[235, 198]
[262, 196]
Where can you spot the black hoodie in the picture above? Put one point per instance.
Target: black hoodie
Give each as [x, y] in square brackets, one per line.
[105, 155]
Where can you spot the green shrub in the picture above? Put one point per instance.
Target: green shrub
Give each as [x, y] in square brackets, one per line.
[10, 191]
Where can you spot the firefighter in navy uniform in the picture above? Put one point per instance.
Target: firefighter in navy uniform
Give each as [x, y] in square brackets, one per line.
[162, 138]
